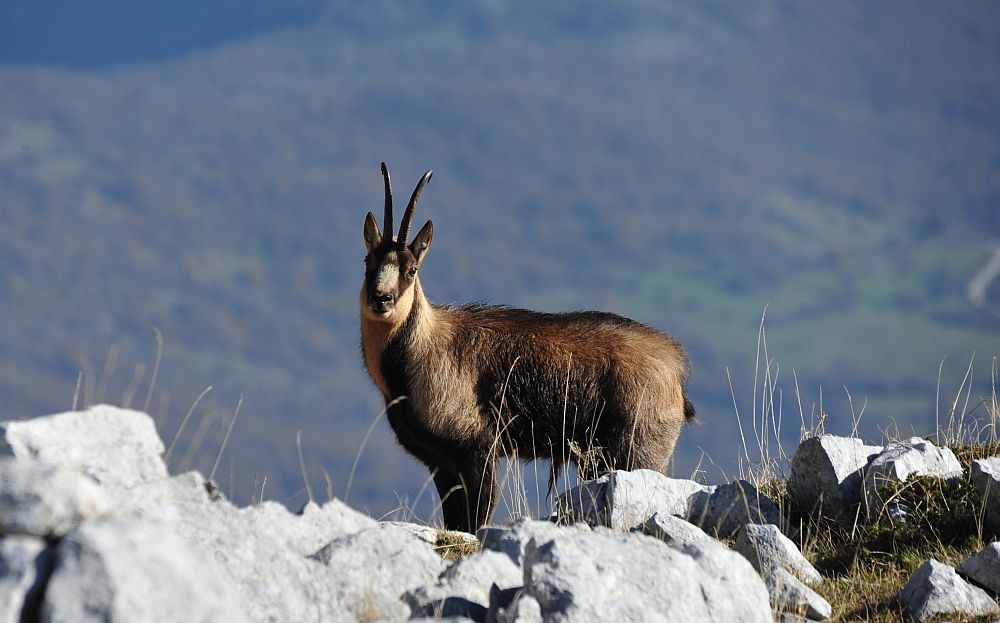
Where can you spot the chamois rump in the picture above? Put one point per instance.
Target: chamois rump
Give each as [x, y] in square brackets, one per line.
[466, 385]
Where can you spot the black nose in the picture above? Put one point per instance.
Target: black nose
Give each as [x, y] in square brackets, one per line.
[383, 298]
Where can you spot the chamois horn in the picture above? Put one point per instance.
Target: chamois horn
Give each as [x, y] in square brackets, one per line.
[404, 227]
[387, 219]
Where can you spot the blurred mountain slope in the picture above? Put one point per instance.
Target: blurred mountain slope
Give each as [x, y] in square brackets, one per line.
[686, 165]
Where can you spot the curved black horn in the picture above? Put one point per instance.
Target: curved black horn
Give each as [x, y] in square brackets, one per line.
[404, 227]
[387, 222]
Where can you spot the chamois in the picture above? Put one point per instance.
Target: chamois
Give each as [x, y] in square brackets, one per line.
[466, 385]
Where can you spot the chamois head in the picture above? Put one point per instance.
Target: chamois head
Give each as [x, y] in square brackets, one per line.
[391, 264]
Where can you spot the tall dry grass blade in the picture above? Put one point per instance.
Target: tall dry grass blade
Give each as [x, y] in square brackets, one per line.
[761, 344]
[225, 440]
[563, 444]
[802, 414]
[89, 382]
[329, 483]
[855, 417]
[76, 392]
[937, 403]
[424, 487]
[364, 442]
[739, 420]
[177, 435]
[162, 409]
[110, 363]
[953, 432]
[156, 368]
[994, 404]
[199, 436]
[133, 385]
[302, 466]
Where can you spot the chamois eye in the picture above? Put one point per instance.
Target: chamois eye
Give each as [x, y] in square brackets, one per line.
[410, 274]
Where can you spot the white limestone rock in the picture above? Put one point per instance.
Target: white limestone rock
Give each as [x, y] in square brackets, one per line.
[513, 606]
[675, 530]
[117, 571]
[463, 589]
[605, 576]
[512, 540]
[372, 569]
[983, 567]
[768, 549]
[116, 447]
[790, 595]
[826, 474]
[25, 565]
[935, 589]
[724, 511]
[902, 460]
[46, 500]
[262, 550]
[986, 477]
[624, 500]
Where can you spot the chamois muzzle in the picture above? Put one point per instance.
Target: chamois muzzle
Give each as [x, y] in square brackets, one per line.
[381, 303]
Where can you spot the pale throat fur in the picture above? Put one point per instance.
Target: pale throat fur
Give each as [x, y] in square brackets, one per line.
[376, 330]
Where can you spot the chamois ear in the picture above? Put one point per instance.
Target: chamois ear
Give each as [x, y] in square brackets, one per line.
[372, 236]
[422, 242]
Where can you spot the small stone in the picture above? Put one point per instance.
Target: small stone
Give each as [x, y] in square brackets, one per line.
[983, 567]
[825, 474]
[724, 511]
[670, 529]
[624, 500]
[788, 594]
[613, 576]
[986, 477]
[901, 460]
[768, 549]
[935, 589]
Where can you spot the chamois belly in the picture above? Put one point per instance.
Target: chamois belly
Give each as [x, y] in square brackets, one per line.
[431, 447]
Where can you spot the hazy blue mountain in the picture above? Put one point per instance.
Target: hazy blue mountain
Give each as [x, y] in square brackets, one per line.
[207, 173]
[114, 32]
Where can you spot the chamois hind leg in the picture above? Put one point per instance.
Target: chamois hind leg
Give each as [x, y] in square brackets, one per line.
[641, 442]
[653, 447]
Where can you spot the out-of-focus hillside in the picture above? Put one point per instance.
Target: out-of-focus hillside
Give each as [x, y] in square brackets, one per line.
[684, 165]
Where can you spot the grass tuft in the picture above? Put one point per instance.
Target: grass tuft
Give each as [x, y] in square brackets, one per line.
[452, 546]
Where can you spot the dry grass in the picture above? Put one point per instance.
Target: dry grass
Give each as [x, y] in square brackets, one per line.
[451, 546]
[866, 562]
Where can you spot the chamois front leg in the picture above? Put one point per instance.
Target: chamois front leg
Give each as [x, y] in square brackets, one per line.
[468, 493]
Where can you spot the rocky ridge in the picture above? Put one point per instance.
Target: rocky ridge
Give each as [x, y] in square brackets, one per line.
[93, 528]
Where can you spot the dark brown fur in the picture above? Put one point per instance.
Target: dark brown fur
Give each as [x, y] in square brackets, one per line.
[466, 385]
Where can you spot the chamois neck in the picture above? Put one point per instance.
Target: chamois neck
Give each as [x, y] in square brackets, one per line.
[405, 328]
